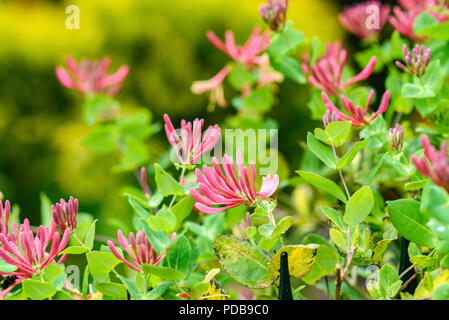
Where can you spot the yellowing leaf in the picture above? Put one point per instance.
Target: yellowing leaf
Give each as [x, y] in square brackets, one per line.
[300, 260]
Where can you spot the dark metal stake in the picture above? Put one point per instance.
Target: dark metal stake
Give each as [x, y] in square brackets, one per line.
[404, 265]
[285, 289]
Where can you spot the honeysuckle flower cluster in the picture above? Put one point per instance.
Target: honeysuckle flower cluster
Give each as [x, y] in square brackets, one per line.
[28, 252]
[357, 115]
[395, 138]
[228, 187]
[434, 164]
[139, 250]
[355, 19]
[248, 55]
[65, 213]
[404, 21]
[91, 76]
[417, 60]
[190, 143]
[326, 74]
[274, 13]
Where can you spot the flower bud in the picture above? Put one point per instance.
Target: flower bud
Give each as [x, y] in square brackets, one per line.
[395, 138]
[65, 213]
[417, 60]
[274, 13]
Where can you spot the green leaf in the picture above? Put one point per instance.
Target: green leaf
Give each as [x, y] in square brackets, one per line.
[435, 202]
[437, 31]
[300, 260]
[433, 78]
[323, 152]
[350, 155]
[325, 262]
[132, 288]
[6, 267]
[323, 184]
[158, 291]
[182, 210]
[100, 264]
[166, 184]
[164, 273]
[102, 139]
[290, 68]
[141, 211]
[240, 77]
[336, 132]
[165, 221]
[96, 105]
[244, 262]
[389, 282]
[411, 224]
[38, 290]
[271, 232]
[410, 90]
[359, 206]
[90, 236]
[74, 250]
[285, 42]
[442, 291]
[179, 256]
[111, 289]
[335, 216]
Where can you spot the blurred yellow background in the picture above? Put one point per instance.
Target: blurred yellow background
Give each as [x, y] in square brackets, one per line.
[163, 42]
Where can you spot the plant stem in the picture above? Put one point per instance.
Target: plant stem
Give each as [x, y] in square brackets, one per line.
[180, 181]
[338, 281]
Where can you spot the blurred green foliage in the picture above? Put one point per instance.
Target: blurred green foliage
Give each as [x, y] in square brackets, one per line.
[164, 43]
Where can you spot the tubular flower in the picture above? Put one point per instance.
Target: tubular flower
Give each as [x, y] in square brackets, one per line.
[356, 114]
[191, 141]
[64, 214]
[326, 74]
[5, 213]
[274, 13]
[231, 189]
[355, 19]
[246, 54]
[395, 138]
[91, 76]
[28, 252]
[214, 86]
[141, 251]
[434, 164]
[417, 60]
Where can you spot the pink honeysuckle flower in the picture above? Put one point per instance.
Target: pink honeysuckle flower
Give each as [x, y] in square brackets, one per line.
[434, 164]
[356, 114]
[326, 74]
[65, 213]
[5, 213]
[28, 252]
[246, 54]
[232, 188]
[91, 76]
[355, 19]
[191, 141]
[417, 60]
[214, 86]
[139, 249]
[403, 22]
[274, 13]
